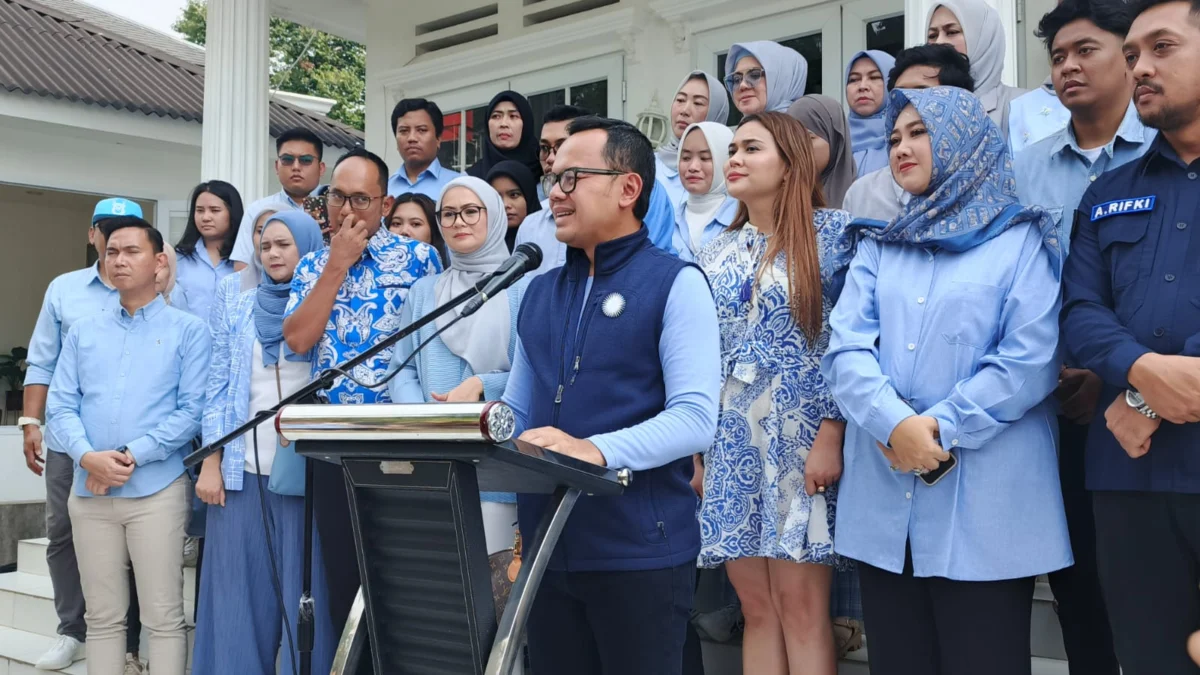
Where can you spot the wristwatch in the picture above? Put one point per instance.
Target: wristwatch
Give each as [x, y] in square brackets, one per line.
[23, 422]
[1134, 400]
[124, 450]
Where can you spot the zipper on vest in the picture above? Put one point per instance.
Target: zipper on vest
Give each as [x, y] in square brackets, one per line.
[562, 350]
[558, 396]
[582, 334]
[574, 371]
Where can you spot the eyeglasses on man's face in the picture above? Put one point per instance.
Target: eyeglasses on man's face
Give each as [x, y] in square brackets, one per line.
[469, 215]
[305, 160]
[569, 177]
[751, 77]
[358, 202]
[545, 149]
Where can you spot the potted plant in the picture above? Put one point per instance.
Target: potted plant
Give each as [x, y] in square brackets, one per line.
[12, 369]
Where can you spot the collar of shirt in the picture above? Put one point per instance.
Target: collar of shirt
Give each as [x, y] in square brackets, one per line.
[1131, 131]
[434, 171]
[379, 243]
[147, 311]
[95, 278]
[1161, 153]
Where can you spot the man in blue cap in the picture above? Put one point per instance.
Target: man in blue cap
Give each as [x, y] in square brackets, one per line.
[69, 298]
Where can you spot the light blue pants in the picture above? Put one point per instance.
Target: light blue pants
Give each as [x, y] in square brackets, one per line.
[240, 628]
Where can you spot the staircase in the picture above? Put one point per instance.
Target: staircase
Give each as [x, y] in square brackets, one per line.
[28, 624]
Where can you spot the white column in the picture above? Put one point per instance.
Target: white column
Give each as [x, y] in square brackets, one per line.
[236, 88]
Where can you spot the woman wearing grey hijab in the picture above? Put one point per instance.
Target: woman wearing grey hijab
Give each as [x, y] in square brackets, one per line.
[700, 98]
[764, 76]
[830, 134]
[973, 28]
[470, 360]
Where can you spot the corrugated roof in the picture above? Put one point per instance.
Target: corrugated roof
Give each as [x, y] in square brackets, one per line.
[49, 52]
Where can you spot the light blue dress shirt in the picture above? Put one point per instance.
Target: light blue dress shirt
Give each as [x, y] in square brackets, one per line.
[538, 228]
[436, 368]
[429, 183]
[669, 178]
[1035, 116]
[969, 340]
[1054, 173]
[135, 381]
[197, 277]
[243, 246]
[689, 336]
[682, 237]
[69, 298]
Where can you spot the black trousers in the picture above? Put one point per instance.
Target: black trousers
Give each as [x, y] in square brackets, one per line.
[331, 513]
[1081, 609]
[611, 623]
[1148, 546]
[935, 626]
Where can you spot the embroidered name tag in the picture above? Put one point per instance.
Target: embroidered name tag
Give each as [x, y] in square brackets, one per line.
[1122, 206]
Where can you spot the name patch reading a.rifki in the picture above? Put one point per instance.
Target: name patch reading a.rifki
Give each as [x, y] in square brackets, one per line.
[1122, 206]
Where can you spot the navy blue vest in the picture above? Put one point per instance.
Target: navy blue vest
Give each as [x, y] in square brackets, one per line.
[594, 373]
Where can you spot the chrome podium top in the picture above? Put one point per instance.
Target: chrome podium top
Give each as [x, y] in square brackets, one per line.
[491, 422]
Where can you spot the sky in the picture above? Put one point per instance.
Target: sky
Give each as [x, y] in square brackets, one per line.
[158, 14]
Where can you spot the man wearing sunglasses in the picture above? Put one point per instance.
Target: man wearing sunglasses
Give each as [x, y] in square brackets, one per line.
[617, 364]
[298, 166]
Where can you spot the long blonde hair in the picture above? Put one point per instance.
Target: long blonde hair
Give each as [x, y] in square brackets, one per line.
[799, 196]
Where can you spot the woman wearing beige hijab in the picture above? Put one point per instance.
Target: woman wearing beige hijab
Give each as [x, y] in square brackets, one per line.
[164, 281]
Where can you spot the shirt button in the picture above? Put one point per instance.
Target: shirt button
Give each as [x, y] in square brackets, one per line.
[921, 300]
[1159, 332]
[908, 495]
[911, 346]
[1181, 226]
[1191, 175]
[1092, 178]
[1169, 277]
[954, 442]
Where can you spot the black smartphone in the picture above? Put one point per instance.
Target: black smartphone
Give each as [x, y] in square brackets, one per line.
[318, 208]
[932, 477]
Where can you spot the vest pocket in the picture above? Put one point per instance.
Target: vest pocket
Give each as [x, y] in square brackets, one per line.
[653, 526]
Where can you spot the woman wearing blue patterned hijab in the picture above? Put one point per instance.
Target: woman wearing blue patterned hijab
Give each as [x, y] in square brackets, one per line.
[942, 357]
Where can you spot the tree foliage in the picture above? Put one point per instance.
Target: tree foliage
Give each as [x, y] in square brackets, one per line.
[304, 61]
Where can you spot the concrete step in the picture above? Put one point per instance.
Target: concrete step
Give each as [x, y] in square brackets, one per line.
[722, 659]
[19, 650]
[31, 556]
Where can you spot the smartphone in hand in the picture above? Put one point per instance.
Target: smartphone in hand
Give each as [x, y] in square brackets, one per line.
[318, 208]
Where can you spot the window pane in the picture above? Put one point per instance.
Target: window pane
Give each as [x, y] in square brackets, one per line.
[886, 35]
[592, 97]
[448, 149]
[543, 102]
[809, 47]
[477, 130]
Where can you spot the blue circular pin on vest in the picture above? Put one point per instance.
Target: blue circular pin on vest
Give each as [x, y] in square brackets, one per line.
[613, 305]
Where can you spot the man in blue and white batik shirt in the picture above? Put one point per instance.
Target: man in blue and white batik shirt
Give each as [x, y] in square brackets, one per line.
[346, 298]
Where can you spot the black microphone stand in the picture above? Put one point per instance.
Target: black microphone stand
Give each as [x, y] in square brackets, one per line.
[306, 615]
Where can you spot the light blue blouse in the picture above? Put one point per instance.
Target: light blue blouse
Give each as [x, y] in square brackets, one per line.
[198, 278]
[968, 339]
[436, 368]
[681, 238]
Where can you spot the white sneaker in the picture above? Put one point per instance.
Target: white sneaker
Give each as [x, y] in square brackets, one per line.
[133, 666]
[66, 650]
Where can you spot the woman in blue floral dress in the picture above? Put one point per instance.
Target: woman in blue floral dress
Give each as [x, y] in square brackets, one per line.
[770, 484]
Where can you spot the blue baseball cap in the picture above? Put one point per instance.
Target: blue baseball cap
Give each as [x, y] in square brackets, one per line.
[114, 207]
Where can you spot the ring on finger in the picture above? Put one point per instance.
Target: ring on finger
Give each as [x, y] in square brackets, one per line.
[821, 489]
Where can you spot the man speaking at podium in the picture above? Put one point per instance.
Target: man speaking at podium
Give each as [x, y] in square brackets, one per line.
[617, 365]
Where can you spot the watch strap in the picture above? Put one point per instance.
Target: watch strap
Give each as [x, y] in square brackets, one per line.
[23, 422]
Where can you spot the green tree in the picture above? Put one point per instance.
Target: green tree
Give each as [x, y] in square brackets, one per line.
[304, 61]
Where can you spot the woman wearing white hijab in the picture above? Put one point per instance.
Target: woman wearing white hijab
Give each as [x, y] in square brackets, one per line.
[707, 209]
[470, 360]
[764, 76]
[973, 28]
[700, 98]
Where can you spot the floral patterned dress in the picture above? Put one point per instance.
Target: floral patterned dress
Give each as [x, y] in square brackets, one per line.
[772, 403]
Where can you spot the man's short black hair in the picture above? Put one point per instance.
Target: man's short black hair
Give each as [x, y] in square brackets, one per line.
[1139, 6]
[300, 134]
[564, 113]
[627, 149]
[407, 105]
[1110, 16]
[954, 69]
[380, 165]
[110, 225]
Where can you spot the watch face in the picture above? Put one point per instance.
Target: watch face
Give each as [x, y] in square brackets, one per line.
[1134, 399]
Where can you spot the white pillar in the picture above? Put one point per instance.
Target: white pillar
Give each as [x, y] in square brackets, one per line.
[236, 89]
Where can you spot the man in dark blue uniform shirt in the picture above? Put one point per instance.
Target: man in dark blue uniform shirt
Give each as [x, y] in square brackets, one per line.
[1131, 313]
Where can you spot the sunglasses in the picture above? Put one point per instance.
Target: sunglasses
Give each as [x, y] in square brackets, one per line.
[751, 77]
[305, 160]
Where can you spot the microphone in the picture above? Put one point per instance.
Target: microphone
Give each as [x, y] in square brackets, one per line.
[526, 258]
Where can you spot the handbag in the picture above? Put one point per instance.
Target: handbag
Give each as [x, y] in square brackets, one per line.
[287, 471]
